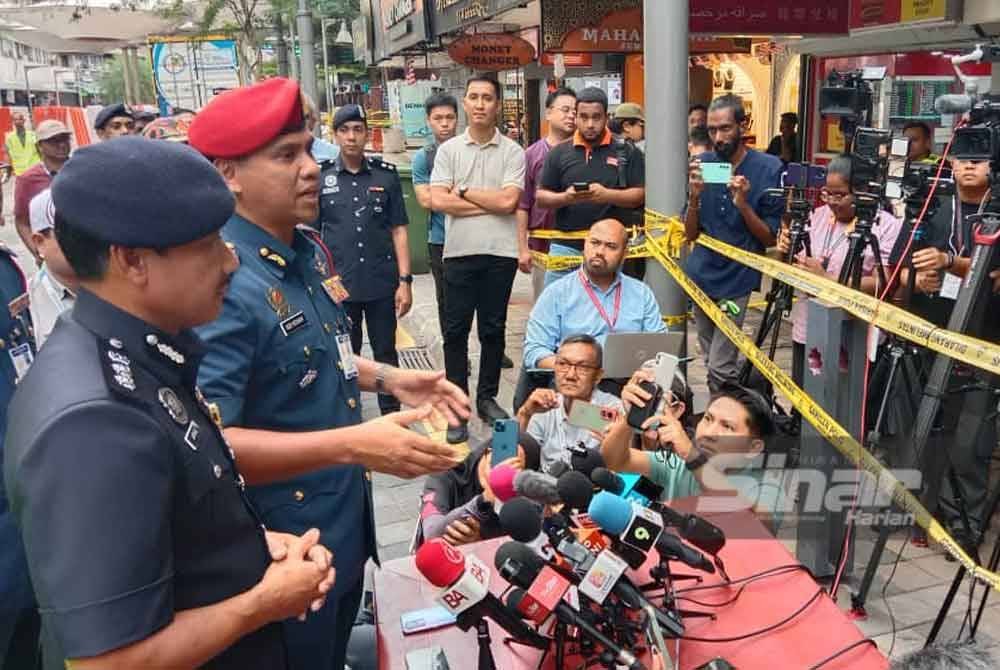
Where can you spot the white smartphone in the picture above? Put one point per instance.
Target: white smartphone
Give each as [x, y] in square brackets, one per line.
[593, 417]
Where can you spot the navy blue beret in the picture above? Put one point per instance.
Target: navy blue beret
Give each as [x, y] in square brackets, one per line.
[348, 113]
[110, 112]
[135, 192]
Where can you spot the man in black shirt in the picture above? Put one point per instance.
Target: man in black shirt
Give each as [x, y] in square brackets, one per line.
[592, 177]
[941, 260]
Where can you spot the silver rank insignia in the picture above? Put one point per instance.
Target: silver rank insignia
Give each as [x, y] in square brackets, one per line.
[319, 262]
[165, 349]
[308, 378]
[191, 436]
[121, 368]
[175, 408]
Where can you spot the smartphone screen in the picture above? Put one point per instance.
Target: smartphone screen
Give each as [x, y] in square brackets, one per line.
[716, 173]
[416, 621]
[590, 416]
[580, 186]
[504, 443]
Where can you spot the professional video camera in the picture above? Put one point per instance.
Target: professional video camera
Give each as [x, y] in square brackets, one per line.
[979, 139]
[848, 95]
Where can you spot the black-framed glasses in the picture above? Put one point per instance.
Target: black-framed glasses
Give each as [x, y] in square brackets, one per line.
[562, 365]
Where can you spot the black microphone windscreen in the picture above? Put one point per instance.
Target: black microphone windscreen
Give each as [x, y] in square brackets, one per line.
[607, 480]
[575, 490]
[518, 563]
[521, 519]
[514, 598]
[558, 468]
[586, 460]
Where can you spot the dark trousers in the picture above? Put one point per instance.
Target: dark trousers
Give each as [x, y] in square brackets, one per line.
[434, 252]
[380, 317]
[309, 643]
[476, 286]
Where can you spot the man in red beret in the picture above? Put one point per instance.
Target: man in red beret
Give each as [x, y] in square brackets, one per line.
[279, 369]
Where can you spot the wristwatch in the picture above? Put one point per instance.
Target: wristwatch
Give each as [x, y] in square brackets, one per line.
[406, 279]
[697, 462]
[380, 372]
[462, 190]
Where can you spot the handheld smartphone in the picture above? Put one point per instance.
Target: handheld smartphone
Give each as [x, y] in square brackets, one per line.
[504, 444]
[593, 417]
[638, 415]
[716, 173]
[417, 621]
[581, 186]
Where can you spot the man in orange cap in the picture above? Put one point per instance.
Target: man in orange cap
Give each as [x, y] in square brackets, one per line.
[279, 368]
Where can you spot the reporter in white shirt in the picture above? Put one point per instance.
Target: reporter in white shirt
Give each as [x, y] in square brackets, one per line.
[52, 290]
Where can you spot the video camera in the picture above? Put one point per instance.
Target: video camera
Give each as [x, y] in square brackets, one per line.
[980, 138]
[848, 95]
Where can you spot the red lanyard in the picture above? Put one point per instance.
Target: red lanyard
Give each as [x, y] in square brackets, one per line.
[597, 303]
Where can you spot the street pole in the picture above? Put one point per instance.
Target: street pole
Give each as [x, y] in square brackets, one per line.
[55, 80]
[281, 46]
[666, 62]
[27, 92]
[326, 71]
[307, 67]
[292, 58]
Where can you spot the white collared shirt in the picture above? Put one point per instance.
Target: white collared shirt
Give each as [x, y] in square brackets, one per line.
[49, 299]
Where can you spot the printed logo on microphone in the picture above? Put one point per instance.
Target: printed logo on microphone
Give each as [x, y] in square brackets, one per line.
[643, 530]
[602, 576]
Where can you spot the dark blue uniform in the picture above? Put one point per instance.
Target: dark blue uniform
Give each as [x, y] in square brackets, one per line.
[356, 216]
[126, 493]
[273, 364]
[19, 620]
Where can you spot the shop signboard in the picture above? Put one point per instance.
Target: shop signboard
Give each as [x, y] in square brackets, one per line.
[491, 51]
[881, 13]
[399, 25]
[718, 45]
[188, 72]
[452, 15]
[360, 35]
[770, 17]
[569, 60]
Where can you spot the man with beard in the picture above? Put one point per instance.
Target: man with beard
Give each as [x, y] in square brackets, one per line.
[723, 460]
[739, 213]
[279, 370]
[594, 300]
[54, 147]
[560, 112]
[594, 177]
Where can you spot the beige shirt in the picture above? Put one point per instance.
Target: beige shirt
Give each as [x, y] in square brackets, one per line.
[48, 299]
[499, 163]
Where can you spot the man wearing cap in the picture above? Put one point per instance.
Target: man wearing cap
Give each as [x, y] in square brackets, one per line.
[52, 289]
[280, 371]
[54, 147]
[630, 124]
[363, 221]
[143, 548]
[20, 145]
[114, 121]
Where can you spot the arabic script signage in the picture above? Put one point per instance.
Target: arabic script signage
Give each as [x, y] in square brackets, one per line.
[770, 17]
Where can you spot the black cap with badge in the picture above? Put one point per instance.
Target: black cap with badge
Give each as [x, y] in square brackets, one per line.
[349, 113]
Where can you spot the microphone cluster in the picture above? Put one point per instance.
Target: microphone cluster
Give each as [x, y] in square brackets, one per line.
[567, 561]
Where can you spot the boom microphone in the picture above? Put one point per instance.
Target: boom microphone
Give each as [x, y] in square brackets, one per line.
[521, 567]
[642, 529]
[952, 103]
[465, 585]
[537, 486]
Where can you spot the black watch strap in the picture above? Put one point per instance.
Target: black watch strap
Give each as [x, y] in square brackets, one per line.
[697, 462]
[406, 279]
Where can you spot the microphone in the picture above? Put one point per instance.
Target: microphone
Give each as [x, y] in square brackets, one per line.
[701, 533]
[952, 103]
[465, 584]
[558, 468]
[521, 519]
[502, 482]
[642, 529]
[585, 460]
[522, 568]
[575, 490]
[537, 486]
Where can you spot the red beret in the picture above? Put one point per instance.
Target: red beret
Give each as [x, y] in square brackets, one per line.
[238, 122]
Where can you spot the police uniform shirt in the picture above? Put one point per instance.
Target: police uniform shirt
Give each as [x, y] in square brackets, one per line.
[273, 364]
[129, 502]
[357, 213]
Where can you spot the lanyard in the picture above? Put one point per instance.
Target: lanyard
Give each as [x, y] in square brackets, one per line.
[827, 252]
[597, 303]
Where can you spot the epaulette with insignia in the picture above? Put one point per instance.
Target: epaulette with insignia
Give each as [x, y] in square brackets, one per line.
[391, 167]
[117, 368]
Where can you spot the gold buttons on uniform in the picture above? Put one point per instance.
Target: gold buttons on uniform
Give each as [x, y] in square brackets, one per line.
[352, 403]
[299, 496]
[307, 351]
[264, 251]
[340, 365]
[328, 328]
[217, 470]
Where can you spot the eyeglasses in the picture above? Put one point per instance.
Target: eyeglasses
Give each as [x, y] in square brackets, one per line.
[562, 365]
[566, 110]
[833, 196]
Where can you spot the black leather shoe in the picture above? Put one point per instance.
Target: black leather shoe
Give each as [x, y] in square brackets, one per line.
[489, 411]
[506, 363]
[458, 434]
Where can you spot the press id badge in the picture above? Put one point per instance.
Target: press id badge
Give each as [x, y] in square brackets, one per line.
[21, 357]
[949, 286]
[347, 356]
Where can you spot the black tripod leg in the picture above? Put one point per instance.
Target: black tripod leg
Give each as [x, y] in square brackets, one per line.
[994, 561]
[945, 606]
[858, 600]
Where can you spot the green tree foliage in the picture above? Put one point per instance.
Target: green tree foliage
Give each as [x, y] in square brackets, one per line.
[112, 81]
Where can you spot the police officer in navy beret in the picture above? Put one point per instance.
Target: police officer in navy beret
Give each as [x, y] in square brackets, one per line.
[19, 622]
[363, 221]
[142, 545]
[115, 121]
[280, 369]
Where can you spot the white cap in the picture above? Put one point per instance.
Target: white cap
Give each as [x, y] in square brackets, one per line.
[41, 212]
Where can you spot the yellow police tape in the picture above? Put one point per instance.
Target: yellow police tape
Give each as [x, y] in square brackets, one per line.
[824, 424]
[975, 352]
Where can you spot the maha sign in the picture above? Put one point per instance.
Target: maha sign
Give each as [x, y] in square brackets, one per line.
[486, 51]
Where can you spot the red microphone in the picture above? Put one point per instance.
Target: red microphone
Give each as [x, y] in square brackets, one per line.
[546, 591]
[502, 482]
[465, 591]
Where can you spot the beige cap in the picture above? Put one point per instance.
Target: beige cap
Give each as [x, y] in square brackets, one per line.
[50, 128]
[629, 110]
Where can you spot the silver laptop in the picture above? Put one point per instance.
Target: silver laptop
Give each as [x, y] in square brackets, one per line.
[624, 353]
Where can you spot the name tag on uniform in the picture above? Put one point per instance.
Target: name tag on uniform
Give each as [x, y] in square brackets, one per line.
[293, 323]
[21, 357]
[950, 285]
[334, 288]
[347, 356]
[18, 305]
